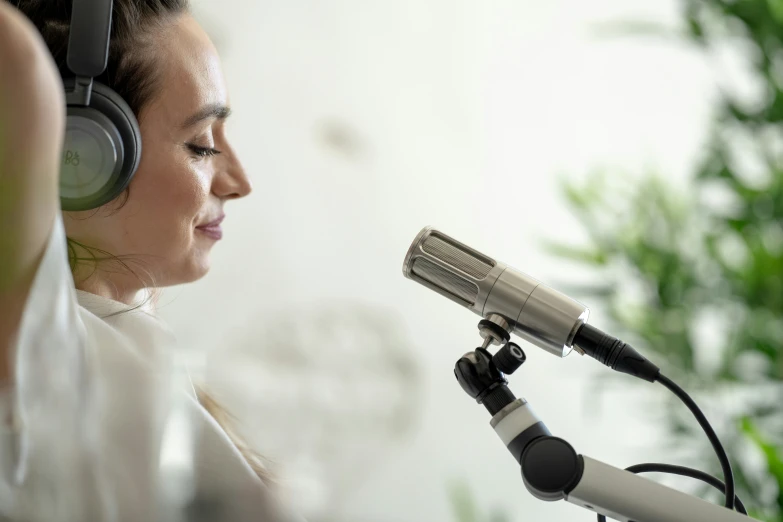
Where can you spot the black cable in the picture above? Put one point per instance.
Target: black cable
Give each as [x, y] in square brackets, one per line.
[624, 358]
[685, 472]
[725, 465]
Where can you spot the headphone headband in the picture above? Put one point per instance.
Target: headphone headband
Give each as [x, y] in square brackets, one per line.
[88, 43]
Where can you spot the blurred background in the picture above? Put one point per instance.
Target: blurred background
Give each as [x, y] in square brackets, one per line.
[629, 152]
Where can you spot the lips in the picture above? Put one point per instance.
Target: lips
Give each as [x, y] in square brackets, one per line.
[214, 223]
[212, 229]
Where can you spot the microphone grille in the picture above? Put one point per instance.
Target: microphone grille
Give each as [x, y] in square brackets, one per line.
[462, 289]
[447, 266]
[450, 252]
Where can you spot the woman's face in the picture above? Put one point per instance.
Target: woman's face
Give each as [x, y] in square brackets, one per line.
[187, 172]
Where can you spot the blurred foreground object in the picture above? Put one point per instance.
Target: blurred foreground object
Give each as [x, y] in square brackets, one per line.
[328, 390]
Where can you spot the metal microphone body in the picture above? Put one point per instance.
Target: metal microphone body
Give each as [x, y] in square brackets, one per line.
[536, 313]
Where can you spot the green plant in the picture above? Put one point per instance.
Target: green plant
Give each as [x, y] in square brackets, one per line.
[694, 276]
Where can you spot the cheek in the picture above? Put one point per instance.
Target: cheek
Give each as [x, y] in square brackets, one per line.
[170, 194]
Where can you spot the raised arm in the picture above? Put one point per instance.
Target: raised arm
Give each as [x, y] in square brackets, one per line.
[32, 122]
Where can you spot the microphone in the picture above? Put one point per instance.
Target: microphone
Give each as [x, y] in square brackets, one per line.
[516, 302]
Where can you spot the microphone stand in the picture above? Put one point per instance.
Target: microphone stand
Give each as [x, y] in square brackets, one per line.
[551, 468]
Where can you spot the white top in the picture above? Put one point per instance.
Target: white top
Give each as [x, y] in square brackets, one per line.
[103, 428]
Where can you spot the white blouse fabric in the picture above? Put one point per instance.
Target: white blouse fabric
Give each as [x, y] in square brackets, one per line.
[102, 427]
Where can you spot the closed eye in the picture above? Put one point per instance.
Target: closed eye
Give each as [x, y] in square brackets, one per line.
[202, 151]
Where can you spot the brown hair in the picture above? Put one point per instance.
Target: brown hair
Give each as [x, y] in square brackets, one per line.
[132, 73]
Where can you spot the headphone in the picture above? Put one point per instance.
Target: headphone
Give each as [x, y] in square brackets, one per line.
[102, 138]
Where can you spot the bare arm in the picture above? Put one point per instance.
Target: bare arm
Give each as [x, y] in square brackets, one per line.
[32, 116]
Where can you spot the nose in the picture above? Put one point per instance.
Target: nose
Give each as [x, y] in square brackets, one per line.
[231, 181]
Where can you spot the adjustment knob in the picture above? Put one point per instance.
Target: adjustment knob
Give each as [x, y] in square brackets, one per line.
[509, 358]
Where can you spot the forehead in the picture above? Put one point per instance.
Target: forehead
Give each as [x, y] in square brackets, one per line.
[191, 72]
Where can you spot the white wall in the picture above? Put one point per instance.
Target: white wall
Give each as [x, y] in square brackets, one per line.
[459, 114]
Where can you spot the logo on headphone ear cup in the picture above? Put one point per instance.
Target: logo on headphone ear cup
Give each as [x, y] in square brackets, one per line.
[92, 157]
[101, 153]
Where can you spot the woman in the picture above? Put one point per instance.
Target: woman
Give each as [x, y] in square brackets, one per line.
[87, 362]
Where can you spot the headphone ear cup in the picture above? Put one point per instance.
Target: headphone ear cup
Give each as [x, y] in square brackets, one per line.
[101, 153]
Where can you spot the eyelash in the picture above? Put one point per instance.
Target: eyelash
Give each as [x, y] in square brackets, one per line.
[202, 152]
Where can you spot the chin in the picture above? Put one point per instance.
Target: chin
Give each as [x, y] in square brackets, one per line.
[198, 271]
[190, 271]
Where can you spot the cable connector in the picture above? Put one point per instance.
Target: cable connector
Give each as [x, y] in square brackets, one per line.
[614, 353]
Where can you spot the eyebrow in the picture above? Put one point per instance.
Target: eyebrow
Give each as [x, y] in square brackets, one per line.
[215, 110]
